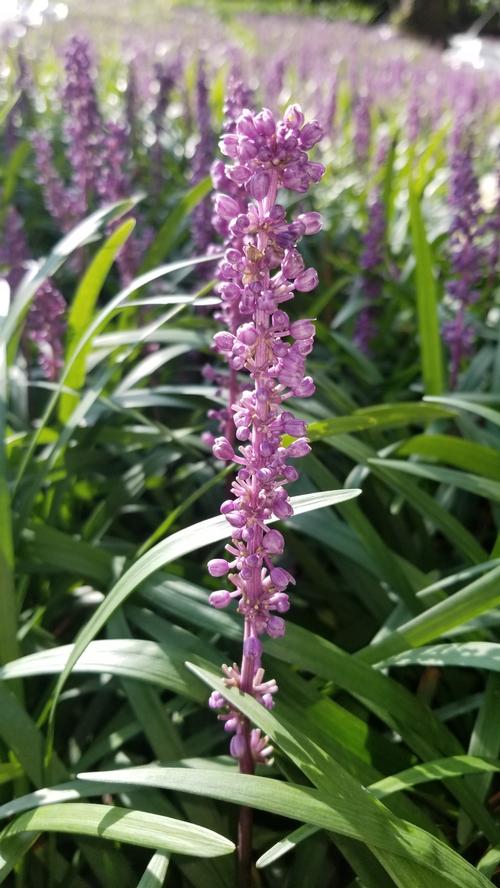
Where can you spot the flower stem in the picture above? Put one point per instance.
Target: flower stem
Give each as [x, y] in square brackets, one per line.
[245, 823]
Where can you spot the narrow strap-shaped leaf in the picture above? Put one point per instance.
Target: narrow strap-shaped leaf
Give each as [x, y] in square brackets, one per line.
[122, 825]
[427, 301]
[468, 654]
[82, 307]
[156, 871]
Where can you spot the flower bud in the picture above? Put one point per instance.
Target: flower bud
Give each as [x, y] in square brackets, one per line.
[292, 265]
[294, 427]
[265, 123]
[315, 171]
[218, 567]
[220, 599]
[223, 342]
[306, 281]
[299, 448]
[229, 145]
[305, 388]
[237, 519]
[273, 542]
[275, 627]
[247, 334]
[226, 207]
[237, 746]
[280, 319]
[310, 134]
[258, 186]
[312, 222]
[294, 117]
[281, 578]
[303, 329]
[222, 449]
[216, 700]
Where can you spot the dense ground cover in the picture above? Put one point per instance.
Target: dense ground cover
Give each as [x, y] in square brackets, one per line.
[386, 725]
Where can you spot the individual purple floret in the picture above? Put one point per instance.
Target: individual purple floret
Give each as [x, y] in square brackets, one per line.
[201, 227]
[261, 270]
[466, 253]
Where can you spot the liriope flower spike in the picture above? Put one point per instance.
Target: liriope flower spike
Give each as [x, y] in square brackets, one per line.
[261, 270]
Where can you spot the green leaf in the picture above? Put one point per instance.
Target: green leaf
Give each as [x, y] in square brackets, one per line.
[88, 334]
[171, 230]
[344, 815]
[454, 766]
[456, 403]
[82, 308]
[467, 654]
[416, 498]
[289, 843]
[127, 657]
[484, 742]
[440, 769]
[23, 737]
[8, 604]
[156, 871]
[484, 487]
[121, 825]
[468, 455]
[390, 701]
[489, 863]
[12, 851]
[427, 301]
[381, 416]
[471, 601]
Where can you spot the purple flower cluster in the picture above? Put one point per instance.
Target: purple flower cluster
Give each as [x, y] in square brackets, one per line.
[165, 78]
[83, 131]
[362, 128]
[201, 227]
[238, 98]
[83, 124]
[371, 260]
[261, 270]
[45, 324]
[58, 199]
[115, 183]
[13, 248]
[466, 252]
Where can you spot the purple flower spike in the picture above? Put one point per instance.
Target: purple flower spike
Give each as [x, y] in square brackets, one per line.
[466, 255]
[201, 219]
[261, 269]
[83, 124]
[372, 261]
[45, 323]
